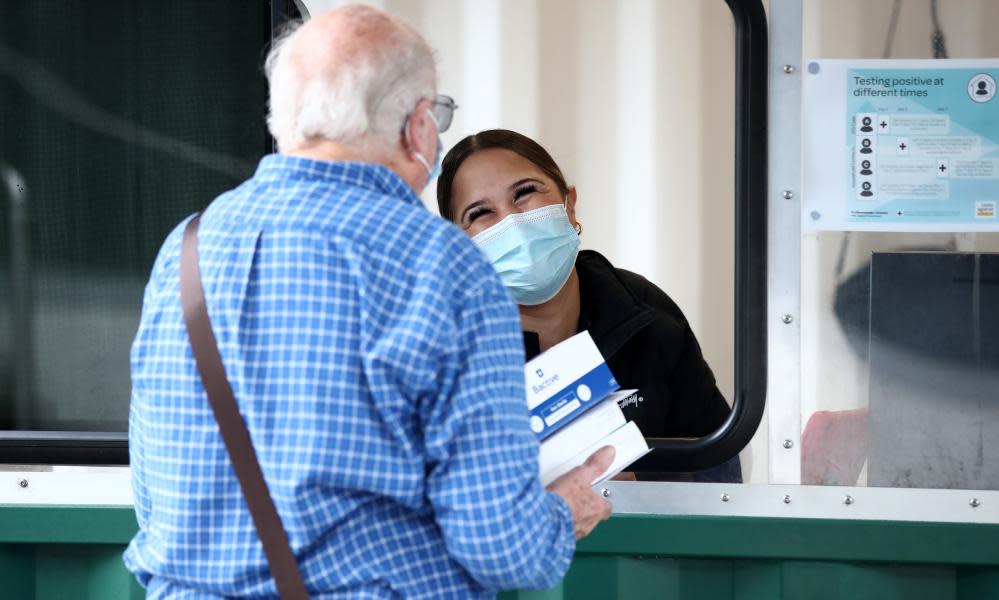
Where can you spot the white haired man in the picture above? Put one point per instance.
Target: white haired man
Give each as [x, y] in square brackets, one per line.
[374, 355]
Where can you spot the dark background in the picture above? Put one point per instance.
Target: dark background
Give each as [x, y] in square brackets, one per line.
[121, 117]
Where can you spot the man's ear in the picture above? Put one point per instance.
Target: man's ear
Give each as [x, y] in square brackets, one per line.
[419, 134]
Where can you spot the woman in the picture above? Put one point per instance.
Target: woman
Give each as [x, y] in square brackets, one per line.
[505, 191]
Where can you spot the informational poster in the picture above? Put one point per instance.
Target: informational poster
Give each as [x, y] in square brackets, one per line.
[901, 145]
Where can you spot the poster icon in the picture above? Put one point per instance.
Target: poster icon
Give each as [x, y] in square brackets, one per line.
[982, 87]
[864, 123]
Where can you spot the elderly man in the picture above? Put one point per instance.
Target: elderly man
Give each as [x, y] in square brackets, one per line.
[375, 357]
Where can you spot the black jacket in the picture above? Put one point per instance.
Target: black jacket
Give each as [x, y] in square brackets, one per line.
[649, 345]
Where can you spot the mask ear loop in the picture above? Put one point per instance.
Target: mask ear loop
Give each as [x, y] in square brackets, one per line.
[578, 227]
[409, 140]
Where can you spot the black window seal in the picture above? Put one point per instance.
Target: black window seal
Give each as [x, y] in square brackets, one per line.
[688, 454]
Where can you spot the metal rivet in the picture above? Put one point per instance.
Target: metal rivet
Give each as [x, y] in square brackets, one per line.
[788, 444]
[788, 319]
[975, 503]
[848, 499]
[789, 69]
[787, 499]
[724, 497]
[788, 194]
[22, 482]
[605, 493]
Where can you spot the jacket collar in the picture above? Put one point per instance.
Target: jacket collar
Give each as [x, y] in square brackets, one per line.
[611, 312]
[607, 308]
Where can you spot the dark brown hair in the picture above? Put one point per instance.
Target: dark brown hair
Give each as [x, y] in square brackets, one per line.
[484, 140]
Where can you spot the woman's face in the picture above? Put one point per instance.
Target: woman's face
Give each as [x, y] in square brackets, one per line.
[494, 183]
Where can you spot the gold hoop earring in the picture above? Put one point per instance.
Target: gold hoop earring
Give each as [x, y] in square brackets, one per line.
[578, 227]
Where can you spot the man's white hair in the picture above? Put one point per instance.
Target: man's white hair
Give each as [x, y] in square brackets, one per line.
[358, 94]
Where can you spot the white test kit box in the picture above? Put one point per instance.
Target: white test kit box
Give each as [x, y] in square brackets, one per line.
[573, 400]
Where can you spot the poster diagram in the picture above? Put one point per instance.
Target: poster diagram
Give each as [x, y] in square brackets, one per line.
[902, 145]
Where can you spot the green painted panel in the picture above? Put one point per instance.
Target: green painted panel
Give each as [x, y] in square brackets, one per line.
[85, 572]
[704, 579]
[807, 539]
[637, 578]
[17, 571]
[975, 583]
[646, 535]
[836, 581]
[649, 579]
[752, 579]
[606, 577]
[905, 582]
[591, 577]
[554, 593]
[55, 552]
[67, 524]
[61, 571]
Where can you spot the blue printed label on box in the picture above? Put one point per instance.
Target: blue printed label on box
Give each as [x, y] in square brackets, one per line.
[563, 382]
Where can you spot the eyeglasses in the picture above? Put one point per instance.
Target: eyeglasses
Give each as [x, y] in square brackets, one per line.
[444, 108]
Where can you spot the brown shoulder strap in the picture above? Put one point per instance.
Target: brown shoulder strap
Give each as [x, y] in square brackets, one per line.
[272, 535]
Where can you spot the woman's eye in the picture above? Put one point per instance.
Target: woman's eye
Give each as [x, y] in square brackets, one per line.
[524, 190]
[475, 213]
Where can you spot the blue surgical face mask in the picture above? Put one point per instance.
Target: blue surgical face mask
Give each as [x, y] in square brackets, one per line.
[435, 171]
[533, 252]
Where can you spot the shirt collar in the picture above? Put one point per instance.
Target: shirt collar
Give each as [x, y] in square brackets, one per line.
[373, 176]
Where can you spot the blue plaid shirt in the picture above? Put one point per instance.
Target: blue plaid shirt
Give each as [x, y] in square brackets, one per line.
[378, 363]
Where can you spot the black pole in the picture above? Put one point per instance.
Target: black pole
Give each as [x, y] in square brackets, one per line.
[687, 454]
